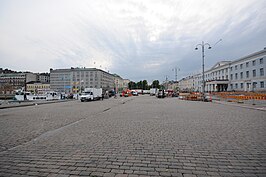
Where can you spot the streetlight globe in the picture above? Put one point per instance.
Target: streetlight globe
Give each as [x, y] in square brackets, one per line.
[196, 48]
[209, 47]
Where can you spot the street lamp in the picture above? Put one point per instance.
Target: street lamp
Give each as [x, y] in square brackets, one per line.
[203, 80]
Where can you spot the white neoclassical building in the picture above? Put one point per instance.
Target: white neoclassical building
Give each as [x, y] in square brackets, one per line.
[248, 73]
[244, 74]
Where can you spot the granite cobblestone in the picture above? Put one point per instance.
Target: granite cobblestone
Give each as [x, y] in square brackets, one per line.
[145, 136]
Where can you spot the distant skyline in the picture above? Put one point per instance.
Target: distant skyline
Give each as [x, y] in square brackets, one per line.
[136, 39]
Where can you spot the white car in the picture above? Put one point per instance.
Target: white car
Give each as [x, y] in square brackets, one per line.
[134, 93]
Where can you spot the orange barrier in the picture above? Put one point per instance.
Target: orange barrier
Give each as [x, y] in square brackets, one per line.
[241, 95]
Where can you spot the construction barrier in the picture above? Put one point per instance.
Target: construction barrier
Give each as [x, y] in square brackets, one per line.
[241, 95]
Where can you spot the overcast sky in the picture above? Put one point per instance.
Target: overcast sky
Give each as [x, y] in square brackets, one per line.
[137, 39]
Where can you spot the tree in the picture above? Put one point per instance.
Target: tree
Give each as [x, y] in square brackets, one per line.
[139, 85]
[155, 84]
[145, 85]
[131, 85]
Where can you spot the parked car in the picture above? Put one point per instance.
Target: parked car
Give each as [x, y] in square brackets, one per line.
[134, 93]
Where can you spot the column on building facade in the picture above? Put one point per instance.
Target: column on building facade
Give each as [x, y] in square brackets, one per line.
[215, 87]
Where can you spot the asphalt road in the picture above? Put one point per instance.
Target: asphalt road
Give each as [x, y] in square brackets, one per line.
[136, 136]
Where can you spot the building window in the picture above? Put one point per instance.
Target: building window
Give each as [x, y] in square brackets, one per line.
[231, 85]
[236, 76]
[231, 76]
[254, 84]
[241, 75]
[261, 61]
[247, 74]
[254, 73]
[247, 63]
[231, 68]
[241, 85]
[235, 67]
[236, 85]
[253, 62]
[262, 84]
[261, 72]
[241, 66]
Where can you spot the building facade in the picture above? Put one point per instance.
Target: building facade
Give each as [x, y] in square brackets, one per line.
[15, 80]
[188, 84]
[75, 80]
[125, 83]
[173, 85]
[244, 74]
[43, 77]
[248, 73]
[119, 83]
[37, 87]
[217, 78]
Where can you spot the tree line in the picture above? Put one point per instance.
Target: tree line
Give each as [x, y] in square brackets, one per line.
[143, 84]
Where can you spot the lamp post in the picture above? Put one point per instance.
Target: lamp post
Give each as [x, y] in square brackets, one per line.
[203, 74]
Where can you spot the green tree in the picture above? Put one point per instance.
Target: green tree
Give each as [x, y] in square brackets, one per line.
[155, 84]
[161, 86]
[131, 85]
[139, 85]
[145, 85]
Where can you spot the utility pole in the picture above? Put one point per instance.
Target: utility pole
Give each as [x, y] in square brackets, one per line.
[176, 69]
[166, 81]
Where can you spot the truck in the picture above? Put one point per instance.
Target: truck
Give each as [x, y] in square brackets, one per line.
[153, 91]
[91, 94]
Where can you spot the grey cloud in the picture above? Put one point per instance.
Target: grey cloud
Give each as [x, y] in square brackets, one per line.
[135, 39]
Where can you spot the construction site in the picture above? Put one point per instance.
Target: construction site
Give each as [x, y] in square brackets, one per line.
[238, 97]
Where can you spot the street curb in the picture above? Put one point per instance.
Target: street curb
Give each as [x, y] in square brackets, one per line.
[242, 106]
[32, 104]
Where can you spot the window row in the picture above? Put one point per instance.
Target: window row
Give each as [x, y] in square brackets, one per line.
[248, 85]
[254, 74]
[247, 64]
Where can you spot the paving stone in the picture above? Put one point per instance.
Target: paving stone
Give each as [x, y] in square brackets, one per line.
[97, 174]
[84, 173]
[137, 136]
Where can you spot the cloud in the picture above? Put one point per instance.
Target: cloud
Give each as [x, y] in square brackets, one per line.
[137, 39]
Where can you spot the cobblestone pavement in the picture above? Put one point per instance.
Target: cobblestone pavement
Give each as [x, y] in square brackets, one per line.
[137, 136]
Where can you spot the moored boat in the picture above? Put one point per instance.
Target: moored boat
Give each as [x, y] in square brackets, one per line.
[23, 96]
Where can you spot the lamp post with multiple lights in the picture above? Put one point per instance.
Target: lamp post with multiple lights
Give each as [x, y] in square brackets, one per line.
[203, 74]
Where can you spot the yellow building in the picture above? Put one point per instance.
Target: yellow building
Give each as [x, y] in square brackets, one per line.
[37, 87]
